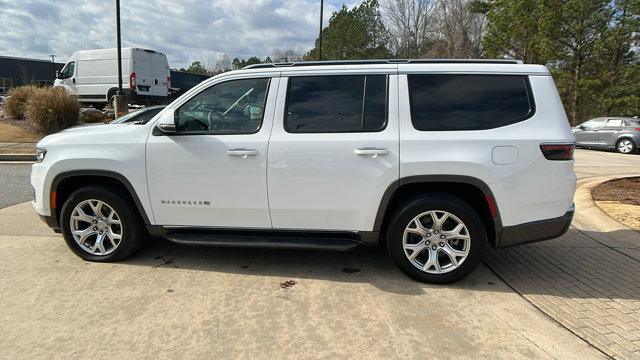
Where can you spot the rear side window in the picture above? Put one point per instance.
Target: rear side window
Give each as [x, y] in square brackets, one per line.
[441, 102]
[341, 103]
[614, 123]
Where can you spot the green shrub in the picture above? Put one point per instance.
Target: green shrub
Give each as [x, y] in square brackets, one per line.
[52, 110]
[16, 102]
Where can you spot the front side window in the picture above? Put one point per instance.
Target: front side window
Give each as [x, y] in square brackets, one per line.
[340, 103]
[593, 124]
[444, 102]
[67, 70]
[231, 107]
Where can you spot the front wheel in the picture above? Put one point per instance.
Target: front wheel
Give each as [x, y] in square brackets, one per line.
[98, 224]
[625, 146]
[436, 238]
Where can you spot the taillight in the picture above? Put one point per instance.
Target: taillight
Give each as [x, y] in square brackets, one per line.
[557, 151]
[168, 81]
[132, 81]
[637, 129]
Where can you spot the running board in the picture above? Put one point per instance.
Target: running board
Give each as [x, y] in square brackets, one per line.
[271, 241]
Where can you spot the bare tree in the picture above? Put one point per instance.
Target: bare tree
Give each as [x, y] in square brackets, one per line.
[286, 55]
[221, 63]
[435, 28]
[457, 30]
[409, 23]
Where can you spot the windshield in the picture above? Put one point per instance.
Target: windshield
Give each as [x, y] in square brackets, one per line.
[139, 116]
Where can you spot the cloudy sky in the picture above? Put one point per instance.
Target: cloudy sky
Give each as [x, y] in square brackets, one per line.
[185, 30]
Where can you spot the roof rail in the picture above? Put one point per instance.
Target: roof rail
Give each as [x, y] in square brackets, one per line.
[383, 61]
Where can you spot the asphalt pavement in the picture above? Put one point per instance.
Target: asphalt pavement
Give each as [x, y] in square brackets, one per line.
[16, 186]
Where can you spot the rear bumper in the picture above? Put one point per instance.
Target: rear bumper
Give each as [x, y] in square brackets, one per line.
[508, 236]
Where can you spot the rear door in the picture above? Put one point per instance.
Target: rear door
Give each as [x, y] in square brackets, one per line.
[608, 134]
[334, 149]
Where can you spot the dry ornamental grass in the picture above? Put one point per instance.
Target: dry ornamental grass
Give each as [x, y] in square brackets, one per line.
[15, 106]
[52, 110]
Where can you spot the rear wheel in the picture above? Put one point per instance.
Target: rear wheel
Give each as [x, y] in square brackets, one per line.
[625, 146]
[436, 238]
[98, 224]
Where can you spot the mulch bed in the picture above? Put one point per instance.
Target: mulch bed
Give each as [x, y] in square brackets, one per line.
[23, 124]
[626, 191]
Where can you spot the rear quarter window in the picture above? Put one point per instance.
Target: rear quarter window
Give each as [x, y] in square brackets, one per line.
[446, 102]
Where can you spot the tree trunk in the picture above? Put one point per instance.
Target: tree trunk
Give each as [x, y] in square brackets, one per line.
[574, 96]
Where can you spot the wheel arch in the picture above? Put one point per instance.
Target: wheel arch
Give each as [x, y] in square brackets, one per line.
[65, 183]
[471, 190]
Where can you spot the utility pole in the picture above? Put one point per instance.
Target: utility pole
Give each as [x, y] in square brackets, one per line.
[53, 65]
[320, 37]
[119, 103]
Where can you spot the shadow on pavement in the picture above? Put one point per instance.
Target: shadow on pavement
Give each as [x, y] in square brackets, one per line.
[363, 265]
[577, 265]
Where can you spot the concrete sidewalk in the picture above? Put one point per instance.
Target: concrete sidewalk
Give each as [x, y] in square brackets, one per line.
[17, 151]
[173, 301]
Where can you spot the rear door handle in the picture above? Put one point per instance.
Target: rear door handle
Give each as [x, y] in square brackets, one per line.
[371, 151]
[242, 152]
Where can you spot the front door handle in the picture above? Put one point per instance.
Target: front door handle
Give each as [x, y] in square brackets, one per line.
[371, 151]
[242, 152]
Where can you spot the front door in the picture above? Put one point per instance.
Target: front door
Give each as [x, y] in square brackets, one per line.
[333, 151]
[587, 132]
[67, 78]
[212, 172]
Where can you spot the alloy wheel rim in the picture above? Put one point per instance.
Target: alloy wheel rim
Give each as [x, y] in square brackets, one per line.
[436, 242]
[96, 227]
[625, 146]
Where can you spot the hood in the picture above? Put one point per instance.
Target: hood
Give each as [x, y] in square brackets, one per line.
[96, 134]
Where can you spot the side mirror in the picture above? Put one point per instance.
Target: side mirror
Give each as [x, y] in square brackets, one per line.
[164, 129]
[58, 74]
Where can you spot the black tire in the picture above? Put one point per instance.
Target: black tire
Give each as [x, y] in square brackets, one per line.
[443, 202]
[99, 106]
[133, 232]
[633, 146]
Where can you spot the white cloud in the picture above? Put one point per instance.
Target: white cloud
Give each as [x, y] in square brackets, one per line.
[185, 30]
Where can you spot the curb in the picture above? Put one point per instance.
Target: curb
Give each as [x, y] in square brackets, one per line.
[17, 157]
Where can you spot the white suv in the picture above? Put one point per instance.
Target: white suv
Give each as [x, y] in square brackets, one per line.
[432, 158]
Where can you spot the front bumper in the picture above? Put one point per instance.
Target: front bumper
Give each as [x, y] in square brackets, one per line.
[535, 231]
[51, 222]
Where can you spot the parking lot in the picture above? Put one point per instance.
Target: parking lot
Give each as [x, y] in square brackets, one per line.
[574, 297]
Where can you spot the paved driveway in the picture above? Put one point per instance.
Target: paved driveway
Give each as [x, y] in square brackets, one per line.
[173, 301]
[592, 163]
[15, 187]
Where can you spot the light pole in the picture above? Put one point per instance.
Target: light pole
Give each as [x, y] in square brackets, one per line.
[120, 103]
[118, 45]
[53, 66]
[320, 37]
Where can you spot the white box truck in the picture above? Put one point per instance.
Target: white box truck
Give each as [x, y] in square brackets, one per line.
[92, 75]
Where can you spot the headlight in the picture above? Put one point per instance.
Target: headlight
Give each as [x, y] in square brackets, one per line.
[40, 154]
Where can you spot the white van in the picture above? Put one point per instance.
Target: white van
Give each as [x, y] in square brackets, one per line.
[92, 75]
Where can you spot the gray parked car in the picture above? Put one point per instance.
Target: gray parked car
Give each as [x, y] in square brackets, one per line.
[621, 134]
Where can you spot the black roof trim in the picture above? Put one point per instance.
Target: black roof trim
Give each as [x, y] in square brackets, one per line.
[384, 61]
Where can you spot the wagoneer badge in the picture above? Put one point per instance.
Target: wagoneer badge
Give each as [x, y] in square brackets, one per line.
[186, 202]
